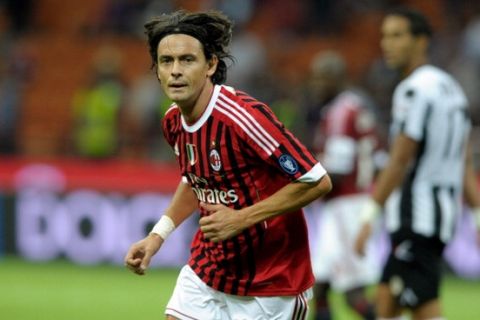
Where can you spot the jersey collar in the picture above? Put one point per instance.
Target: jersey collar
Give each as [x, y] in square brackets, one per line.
[198, 124]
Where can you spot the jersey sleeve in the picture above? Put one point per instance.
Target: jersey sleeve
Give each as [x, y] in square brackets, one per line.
[267, 137]
[411, 108]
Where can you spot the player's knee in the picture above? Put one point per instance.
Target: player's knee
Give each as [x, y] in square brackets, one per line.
[357, 300]
[321, 289]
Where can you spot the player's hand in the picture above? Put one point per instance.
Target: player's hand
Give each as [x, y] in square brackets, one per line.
[221, 223]
[362, 238]
[140, 253]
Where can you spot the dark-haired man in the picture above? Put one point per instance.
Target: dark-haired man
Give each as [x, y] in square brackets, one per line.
[430, 163]
[247, 175]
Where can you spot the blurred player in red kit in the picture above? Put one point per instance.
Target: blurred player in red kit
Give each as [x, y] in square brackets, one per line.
[347, 140]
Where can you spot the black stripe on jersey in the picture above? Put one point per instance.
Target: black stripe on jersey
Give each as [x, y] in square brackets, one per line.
[437, 212]
[462, 146]
[293, 141]
[248, 201]
[183, 155]
[225, 183]
[207, 172]
[222, 278]
[200, 155]
[245, 97]
[449, 129]
[250, 259]
[453, 195]
[236, 245]
[232, 158]
[406, 211]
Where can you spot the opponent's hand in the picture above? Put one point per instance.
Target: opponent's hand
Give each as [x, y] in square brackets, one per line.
[221, 223]
[362, 238]
[140, 253]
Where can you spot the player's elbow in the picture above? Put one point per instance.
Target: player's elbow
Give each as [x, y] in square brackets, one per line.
[325, 185]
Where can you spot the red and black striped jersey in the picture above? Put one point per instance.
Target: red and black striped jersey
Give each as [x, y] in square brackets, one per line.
[347, 139]
[238, 153]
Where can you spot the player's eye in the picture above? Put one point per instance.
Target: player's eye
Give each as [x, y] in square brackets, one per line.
[188, 59]
[164, 60]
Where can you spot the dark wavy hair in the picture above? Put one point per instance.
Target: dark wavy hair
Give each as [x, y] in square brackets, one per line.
[419, 25]
[212, 28]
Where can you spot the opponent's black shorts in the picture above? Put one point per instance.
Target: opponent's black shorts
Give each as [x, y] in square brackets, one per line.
[413, 268]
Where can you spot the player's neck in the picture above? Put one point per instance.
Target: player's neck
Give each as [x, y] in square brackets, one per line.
[193, 111]
[413, 65]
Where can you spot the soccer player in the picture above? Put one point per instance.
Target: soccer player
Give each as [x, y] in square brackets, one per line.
[429, 168]
[247, 175]
[347, 140]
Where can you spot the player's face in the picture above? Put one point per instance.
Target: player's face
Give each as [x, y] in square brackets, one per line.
[398, 43]
[182, 68]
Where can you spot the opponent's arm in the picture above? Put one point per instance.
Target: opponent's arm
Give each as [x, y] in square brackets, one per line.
[183, 204]
[223, 222]
[402, 152]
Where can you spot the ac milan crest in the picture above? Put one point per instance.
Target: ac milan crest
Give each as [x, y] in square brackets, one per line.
[214, 159]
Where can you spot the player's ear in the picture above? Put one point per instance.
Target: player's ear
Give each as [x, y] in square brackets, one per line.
[212, 65]
[156, 73]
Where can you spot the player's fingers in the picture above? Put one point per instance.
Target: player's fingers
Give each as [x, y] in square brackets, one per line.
[205, 206]
[211, 207]
[145, 262]
[128, 256]
[204, 221]
[131, 261]
[134, 265]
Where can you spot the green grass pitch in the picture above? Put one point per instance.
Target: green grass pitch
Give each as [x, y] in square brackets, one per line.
[61, 290]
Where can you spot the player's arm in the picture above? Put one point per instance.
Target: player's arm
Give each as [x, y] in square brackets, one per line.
[291, 197]
[470, 187]
[402, 152]
[223, 222]
[183, 204]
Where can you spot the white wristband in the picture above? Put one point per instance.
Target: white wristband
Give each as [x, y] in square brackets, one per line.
[370, 211]
[164, 227]
[476, 216]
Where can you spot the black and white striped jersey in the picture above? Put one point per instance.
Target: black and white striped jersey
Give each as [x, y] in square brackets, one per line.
[430, 107]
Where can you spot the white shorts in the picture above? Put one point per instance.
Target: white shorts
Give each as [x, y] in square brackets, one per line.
[333, 257]
[192, 299]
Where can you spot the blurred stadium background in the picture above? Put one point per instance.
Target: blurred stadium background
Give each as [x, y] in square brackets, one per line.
[84, 170]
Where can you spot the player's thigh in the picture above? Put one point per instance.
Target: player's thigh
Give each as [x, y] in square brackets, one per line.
[386, 303]
[192, 299]
[269, 308]
[428, 310]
